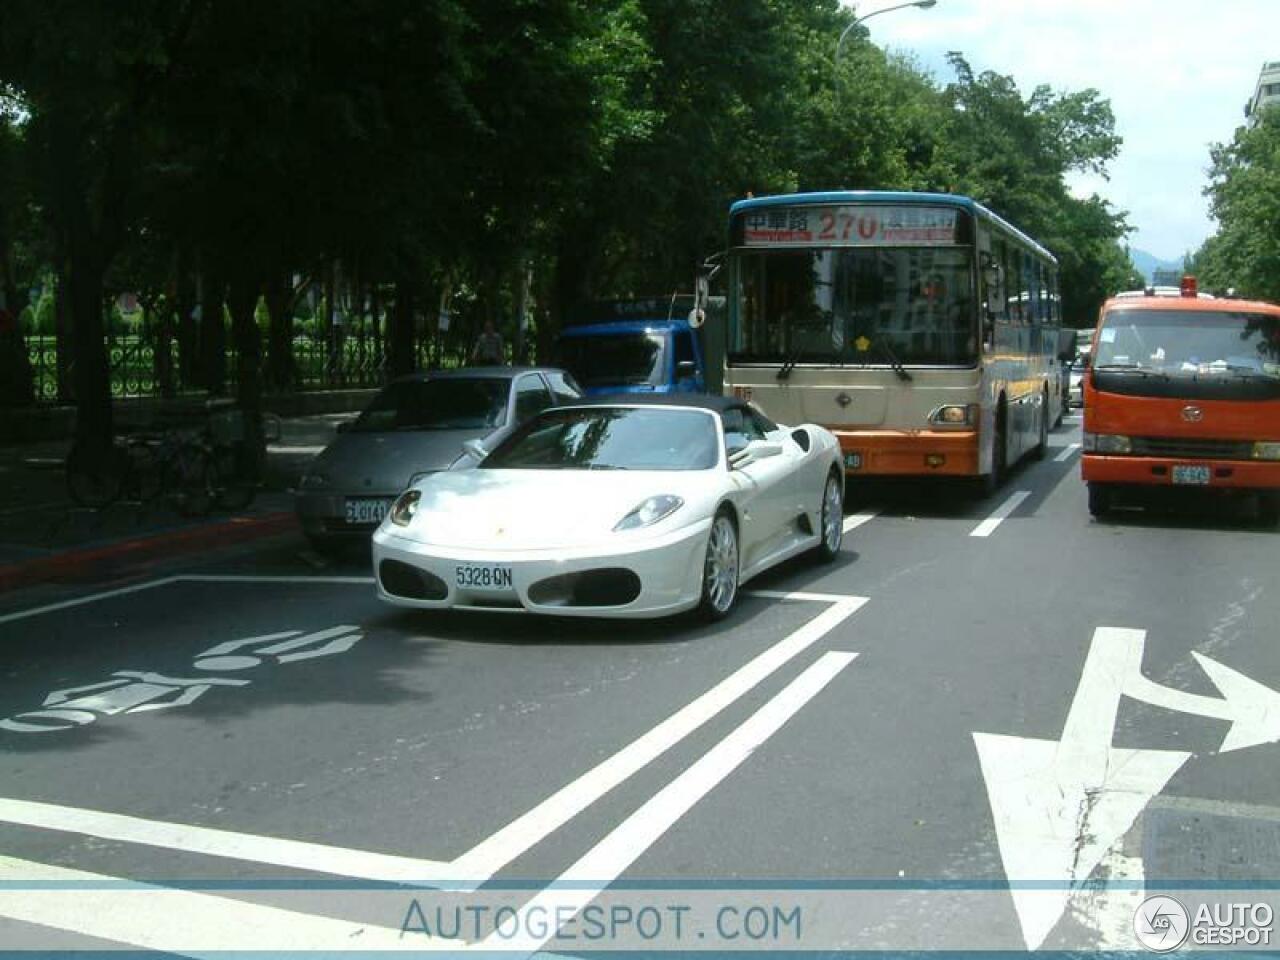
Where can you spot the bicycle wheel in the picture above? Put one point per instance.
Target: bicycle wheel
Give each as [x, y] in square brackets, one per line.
[145, 481]
[95, 480]
[232, 489]
[190, 481]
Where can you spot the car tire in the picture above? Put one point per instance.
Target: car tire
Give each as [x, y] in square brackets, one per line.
[720, 569]
[1100, 498]
[1269, 508]
[831, 523]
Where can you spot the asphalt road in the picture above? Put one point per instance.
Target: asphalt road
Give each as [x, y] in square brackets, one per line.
[991, 725]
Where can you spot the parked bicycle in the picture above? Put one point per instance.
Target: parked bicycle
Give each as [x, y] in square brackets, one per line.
[174, 464]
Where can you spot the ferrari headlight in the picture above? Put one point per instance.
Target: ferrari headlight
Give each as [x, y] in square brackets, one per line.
[1266, 450]
[314, 481]
[650, 512]
[404, 508]
[1107, 443]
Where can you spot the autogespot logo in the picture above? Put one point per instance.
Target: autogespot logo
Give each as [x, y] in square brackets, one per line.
[1161, 924]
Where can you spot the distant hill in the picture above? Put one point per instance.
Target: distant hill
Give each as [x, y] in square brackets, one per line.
[1148, 263]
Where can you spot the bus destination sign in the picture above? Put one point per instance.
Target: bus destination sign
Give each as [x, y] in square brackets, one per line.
[852, 225]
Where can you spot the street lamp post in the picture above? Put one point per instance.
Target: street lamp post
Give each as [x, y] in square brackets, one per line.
[922, 4]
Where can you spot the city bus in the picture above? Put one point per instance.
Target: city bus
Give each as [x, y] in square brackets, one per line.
[920, 328]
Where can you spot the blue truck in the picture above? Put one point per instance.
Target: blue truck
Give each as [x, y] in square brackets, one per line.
[635, 346]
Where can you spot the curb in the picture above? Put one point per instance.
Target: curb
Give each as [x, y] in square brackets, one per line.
[79, 564]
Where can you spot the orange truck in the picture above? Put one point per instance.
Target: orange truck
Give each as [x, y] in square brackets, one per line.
[1183, 390]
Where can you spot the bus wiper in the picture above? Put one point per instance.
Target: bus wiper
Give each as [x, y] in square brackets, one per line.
[894, 363]
[784, 372]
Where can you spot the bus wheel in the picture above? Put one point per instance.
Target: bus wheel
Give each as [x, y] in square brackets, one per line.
[1269, 508]
[991, 482]
[1099, 499]
[1042, 445]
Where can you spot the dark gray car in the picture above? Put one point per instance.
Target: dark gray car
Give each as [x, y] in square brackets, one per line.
[416, 425]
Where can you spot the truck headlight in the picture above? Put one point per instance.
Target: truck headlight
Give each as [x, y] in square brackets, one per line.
[1107, 443]
[1266, 450]
[404, 508]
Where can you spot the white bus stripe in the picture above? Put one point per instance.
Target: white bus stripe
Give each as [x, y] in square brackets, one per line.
[999, 515]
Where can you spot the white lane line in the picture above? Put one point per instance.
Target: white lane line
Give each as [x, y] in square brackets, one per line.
[999, 515]
[309, 450]
[607, 860]
[491, 855]
[91, 598]
[856, 520]
[279, 852]
[1067, 452]
[174, 921]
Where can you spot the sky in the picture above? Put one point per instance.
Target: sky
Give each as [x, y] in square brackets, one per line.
[1177, 73]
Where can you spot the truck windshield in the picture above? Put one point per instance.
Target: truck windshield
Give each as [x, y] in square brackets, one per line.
[1190, 342]
[620, 359]
[854, 306]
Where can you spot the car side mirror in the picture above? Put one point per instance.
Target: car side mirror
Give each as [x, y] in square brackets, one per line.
[476, 449]
[762, 450]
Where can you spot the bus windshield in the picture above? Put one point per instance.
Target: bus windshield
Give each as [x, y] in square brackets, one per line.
[1185, 342]
[856, 306]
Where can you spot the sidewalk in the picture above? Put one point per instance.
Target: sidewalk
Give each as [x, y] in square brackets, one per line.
[45, 537]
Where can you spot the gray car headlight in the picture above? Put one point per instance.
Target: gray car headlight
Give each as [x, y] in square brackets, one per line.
[650, 512]
[404, 508]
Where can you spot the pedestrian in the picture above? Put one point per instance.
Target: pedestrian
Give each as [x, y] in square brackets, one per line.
[489, 348]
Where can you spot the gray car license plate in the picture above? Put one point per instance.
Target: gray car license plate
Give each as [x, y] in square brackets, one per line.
[367, 510]
[1197, 476]
[482, 576]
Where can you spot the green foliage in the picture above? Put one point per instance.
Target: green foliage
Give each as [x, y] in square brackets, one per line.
[1244, 195]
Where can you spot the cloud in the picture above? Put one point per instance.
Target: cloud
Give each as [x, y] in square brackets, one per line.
[1177, 74]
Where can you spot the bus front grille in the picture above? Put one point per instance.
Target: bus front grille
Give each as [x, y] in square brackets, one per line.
[1193, 448]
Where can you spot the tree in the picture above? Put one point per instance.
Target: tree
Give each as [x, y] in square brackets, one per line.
[1244, 196]
[19, 265]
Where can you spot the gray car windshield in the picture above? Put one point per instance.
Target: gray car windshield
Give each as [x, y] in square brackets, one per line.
[478, 403]
[1185, 342]
[611, 438]
[621, 358]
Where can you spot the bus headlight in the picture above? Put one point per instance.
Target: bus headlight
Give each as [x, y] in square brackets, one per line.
[1266, 450]
[955, 415]
[1107, 443]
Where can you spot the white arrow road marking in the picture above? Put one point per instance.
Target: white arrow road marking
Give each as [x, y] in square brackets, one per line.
[181, 922]
[607, 860]
[1001, 513]
[1059, 805]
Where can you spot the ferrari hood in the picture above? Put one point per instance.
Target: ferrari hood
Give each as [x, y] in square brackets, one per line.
[541, 509]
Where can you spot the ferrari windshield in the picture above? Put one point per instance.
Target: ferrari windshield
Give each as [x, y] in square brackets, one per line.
[448, 403]
[1190, 342]
[611, 438]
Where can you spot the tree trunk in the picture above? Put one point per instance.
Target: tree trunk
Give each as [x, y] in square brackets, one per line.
[400, 352]
[17, 382]
[213, 333]
[188, 332]
[90, 374]
[242, 301]
[278, 295]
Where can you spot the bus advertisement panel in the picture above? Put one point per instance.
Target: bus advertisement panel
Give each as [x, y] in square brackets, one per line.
[920, 328]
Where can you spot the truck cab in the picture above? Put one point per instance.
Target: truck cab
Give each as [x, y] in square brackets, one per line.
[633, 347]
